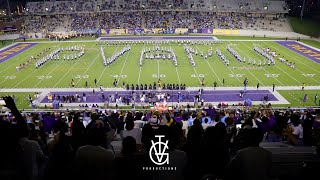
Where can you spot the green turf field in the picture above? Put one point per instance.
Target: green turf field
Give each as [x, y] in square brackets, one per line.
[58, 74]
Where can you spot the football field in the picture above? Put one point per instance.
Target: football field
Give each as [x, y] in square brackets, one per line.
[126, 69]
[59, 73]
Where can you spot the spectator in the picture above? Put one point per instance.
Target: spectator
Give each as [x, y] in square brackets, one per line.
[252, 162]
[92, 161]
[130, 130]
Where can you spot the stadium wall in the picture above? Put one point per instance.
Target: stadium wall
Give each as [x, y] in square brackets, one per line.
[226, 32]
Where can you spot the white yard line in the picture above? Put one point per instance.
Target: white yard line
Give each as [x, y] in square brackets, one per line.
[106, 66]
[144, 45]
[281, 69]
[139, 75]
[124, 64]
[178, 75]
[25, 57]
[298, 62]
[229, 67]
[34, 72]
[68, 70]
[88, 68]
[263, 68]
[211, 67]
[158, 68]
[197, 74]
[13, 66]
[49, 73]
[249, 70]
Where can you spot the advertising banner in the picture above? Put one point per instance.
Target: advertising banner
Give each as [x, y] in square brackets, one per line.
[225, 32]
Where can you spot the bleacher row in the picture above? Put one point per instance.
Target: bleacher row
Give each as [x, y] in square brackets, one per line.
[88, 22]
[72, 6]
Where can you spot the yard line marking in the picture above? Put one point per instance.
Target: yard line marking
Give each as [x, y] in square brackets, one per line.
[250, 71]
[282, 70]
[263, 68]
[36, 71]
[139, 76]
[178, 75]
[107, 66]
[124, 64]
[88, 68]
[13, 65]
[18, 59]
[228, 66]
[297, 61]
[211, 67]
[68, 71]
[144, 45]
[158, 69]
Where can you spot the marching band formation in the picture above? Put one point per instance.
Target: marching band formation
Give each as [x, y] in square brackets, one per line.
[115, 56]
[54, 55]
[165, 53]
[189, 50]
[222, 57]
[234, 53]
[269, 57]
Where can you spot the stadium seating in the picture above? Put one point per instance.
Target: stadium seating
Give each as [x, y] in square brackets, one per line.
[108, 14]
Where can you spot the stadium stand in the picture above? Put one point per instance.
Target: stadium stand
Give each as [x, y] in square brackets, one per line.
[92, 15]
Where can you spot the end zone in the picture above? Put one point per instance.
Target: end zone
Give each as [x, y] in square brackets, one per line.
[13, 50]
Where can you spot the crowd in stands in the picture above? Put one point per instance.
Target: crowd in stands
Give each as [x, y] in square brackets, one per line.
[213, 142]
[83, 15]
[181, 20]
[204, 20]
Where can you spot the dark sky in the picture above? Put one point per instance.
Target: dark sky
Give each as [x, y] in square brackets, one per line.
[13, 3]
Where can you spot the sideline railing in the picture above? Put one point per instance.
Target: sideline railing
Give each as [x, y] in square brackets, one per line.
[5, 112]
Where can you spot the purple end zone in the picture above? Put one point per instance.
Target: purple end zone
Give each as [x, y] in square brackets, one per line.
[208, 96]
[157, 38]
[11, 51]
[301, 49]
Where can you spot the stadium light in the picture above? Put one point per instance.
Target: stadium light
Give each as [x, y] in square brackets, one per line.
[47, 9]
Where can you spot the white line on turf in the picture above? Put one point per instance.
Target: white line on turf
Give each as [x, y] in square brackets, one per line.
[62, 78]
[249, 70]
[30, 53]
[88, 68]
[158, 68]
[262, 68]
[298, 61]
[124, 64]
[284, 71]
[211, 67]
[107, 66]
[178, 75]
[139, 75]
[197, 74]
[121, 89]
[14, 65]
[229, 67]
[37, 71]
[140, 67]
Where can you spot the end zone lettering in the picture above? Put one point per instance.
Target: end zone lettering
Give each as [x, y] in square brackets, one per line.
[14, 50]
[301, 49]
